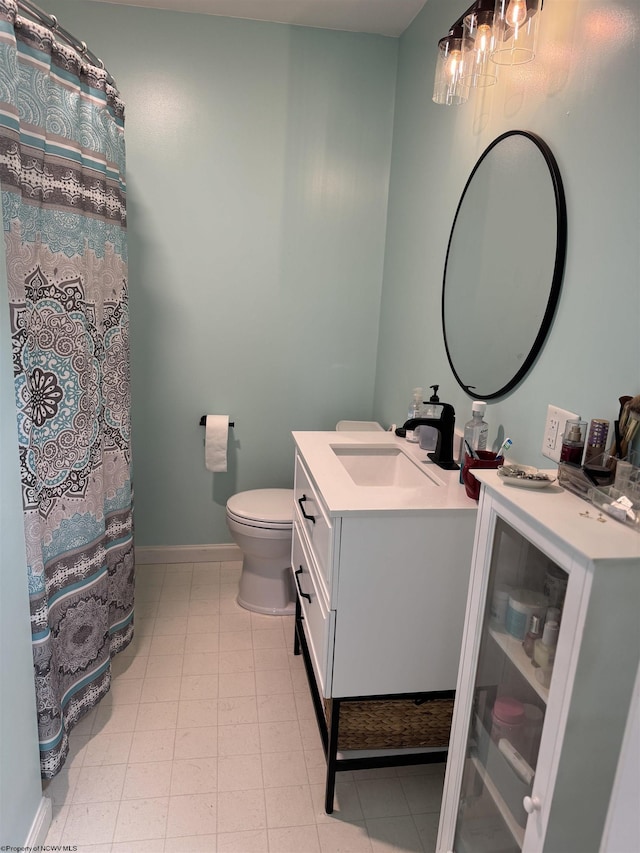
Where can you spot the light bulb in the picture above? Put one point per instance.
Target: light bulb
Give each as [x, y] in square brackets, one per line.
[516, 13]
[454, 60]
[483, 39]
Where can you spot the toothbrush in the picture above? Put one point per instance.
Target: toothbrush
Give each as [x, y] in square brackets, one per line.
[505, 446]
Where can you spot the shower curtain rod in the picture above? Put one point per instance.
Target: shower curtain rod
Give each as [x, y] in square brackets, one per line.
[50, 21]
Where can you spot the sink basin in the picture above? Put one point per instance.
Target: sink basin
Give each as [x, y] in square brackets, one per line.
[381, 466]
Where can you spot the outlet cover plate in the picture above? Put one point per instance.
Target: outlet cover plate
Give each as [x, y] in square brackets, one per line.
[554, 430]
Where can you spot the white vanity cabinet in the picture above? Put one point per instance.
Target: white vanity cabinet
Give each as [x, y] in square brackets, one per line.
[381, 578]
[553, 794]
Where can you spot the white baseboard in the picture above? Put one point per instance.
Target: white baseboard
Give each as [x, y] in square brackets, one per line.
[224, 553]
[40, 826]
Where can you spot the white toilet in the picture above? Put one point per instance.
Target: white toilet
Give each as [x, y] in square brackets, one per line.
[260, 522]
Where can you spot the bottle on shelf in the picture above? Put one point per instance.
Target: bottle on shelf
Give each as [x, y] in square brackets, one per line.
[544, 649]
[534, 633]
[428, 435]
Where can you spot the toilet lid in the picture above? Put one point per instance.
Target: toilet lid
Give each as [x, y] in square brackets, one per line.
[263, 506]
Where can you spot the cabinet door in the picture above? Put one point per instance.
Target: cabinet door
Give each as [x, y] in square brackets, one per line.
[507, 679]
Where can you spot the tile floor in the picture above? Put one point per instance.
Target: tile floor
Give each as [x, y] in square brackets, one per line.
[207, 742]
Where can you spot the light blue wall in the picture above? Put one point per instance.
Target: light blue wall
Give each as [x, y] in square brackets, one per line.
[582, 96]
[258, 162]
[20, 787]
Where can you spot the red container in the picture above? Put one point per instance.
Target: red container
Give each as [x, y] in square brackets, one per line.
[487, 460]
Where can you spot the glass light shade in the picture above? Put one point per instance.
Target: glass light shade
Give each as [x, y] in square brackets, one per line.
[448, 87]
[477, 68]
[515, 31]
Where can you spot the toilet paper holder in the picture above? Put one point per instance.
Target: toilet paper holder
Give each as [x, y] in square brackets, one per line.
[203, 422]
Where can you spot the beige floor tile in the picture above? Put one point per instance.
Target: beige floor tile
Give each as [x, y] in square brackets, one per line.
[340, 837]
[280, 737]
[60, 789]
[124, 691]
[156, 715]
[171, 625]
[423, 793]
[270, 659]
[199, 687]
[149, 845]
[124, 666]
[108, 749]
[99, 784]
[142, 819]
[268, 638]
[294, 839]
[206, 623]
[165, 689]
[197, 712]
[346, 803]
[164, 665]
[273, 681]
[235, 710]
[427, 826]
[207, 643]
[382, 798]
[236, 684]
[254, 841]
[198, 742]
[281, 769]
[238, 621]
[201, 663]
[290, 806]
[239, 739]
[239, 772]
[194, 776]
[277, 707]
[90, 823]
[191, 844]
[241, 810]
[112, 719]
[231, 641]
[208, 607]
[192, 814]
[171, 607]
[167, 644]
[147, 780]
[152, 746]
[237, 661]
[394, 835]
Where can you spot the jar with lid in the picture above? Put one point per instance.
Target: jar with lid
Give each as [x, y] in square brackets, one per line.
[507, 721]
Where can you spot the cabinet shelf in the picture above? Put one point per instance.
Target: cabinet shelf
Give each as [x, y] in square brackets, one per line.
[512, 648]
[512, 825]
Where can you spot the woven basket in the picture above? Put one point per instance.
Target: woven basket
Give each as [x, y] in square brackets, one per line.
[392, 723]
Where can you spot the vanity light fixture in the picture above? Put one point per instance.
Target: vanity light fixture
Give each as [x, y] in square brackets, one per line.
[490, 33]
[449, 87]
[515, 31]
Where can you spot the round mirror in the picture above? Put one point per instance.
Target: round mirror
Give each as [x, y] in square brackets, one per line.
[504, 265]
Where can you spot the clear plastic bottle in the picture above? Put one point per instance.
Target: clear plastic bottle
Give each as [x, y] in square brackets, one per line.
[477, 429]
[414, 411]
[475, 432]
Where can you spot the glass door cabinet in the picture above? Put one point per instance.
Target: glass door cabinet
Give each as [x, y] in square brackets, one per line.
[550, 651]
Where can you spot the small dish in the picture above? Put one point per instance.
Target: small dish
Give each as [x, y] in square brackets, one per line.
[525, 477]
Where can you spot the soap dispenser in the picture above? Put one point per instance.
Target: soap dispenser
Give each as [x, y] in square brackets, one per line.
[429, 435]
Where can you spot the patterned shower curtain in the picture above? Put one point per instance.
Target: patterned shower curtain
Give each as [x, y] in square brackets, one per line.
[62, 160]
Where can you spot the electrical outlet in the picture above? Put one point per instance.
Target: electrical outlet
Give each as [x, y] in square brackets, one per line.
[554, 430]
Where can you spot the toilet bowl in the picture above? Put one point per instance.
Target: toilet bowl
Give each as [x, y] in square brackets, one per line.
[260, 522]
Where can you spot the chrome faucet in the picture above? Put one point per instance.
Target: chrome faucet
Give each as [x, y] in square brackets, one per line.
[445, 425]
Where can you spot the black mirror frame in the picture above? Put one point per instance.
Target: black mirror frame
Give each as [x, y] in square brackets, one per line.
[558, 268]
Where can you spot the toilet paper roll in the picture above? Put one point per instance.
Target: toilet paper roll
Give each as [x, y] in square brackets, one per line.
[216, 436]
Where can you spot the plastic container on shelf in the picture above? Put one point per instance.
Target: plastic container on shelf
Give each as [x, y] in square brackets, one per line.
[523, 604]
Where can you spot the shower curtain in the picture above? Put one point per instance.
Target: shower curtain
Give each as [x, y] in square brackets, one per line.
[62, 160]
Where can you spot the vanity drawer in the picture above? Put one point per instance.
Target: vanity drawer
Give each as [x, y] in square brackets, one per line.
[314, 520]
[318, 622]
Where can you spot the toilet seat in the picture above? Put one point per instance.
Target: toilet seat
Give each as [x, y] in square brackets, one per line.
[263, 508]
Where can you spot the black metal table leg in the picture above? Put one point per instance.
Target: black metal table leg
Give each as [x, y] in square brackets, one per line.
[332, 752]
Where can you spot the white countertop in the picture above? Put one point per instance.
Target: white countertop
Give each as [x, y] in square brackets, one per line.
[567, 518]
[442, 489]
